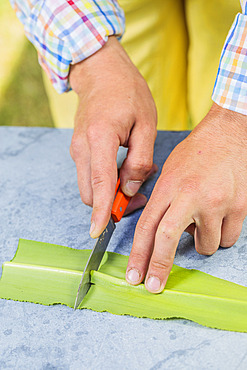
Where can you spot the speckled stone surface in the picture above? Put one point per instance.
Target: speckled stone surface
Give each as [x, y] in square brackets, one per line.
[39, 200]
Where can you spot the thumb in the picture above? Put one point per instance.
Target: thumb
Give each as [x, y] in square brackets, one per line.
[138, 165]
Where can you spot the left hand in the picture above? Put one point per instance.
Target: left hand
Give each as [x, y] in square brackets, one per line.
[202, 187]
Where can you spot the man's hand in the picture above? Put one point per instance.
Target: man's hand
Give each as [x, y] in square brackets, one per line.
[115, 108]
[203, 186]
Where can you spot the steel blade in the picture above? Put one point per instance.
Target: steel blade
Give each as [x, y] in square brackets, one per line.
[94, 261]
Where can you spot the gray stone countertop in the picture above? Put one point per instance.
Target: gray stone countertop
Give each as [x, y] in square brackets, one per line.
[39, 200]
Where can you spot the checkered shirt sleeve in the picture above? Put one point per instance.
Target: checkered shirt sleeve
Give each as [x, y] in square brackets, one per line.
[66, 32]
[230, 89]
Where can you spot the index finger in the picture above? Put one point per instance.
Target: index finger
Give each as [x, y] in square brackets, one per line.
[103, 179]
[177, 218]
[161, 251]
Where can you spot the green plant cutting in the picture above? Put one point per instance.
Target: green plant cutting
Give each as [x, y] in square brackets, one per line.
[49, 274]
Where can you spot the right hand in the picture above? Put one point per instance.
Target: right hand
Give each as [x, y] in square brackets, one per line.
[115, 108]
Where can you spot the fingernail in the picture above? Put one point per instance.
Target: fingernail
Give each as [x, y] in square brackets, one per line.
[92, 227]
[153, 284]
[132, 187]
[133, 276]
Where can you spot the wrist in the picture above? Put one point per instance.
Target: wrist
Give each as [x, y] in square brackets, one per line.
[82, 72]
[221, 121]
[227, 114]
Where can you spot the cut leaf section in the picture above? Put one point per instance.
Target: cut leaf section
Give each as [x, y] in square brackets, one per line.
[50, 274]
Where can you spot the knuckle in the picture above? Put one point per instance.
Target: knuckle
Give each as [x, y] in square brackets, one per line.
[143, 166]
[161, 265]
[101, 132]
[240, 207]
[149, 127]
[76, 147]
[97, 181]
[144, 227]
[137, 257]
[168, 230]
[190, 186]
[215, 199]
[92, 132]
[241, 210]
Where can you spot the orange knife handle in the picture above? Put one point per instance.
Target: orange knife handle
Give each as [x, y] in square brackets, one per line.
[120, 204]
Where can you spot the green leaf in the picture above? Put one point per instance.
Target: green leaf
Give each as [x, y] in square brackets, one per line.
[50, 274]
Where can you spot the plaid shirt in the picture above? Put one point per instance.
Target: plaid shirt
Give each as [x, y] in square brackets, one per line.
[230, 89]
[67, 31]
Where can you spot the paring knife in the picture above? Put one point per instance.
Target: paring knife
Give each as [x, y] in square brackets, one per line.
[119, 206]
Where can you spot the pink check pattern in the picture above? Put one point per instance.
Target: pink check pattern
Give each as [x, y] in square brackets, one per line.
[230, 89]
[66, 32]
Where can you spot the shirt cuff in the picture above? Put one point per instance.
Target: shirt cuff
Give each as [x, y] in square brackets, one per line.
[230, 89]
[67, 32]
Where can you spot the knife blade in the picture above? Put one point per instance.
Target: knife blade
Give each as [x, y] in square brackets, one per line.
[119, 206]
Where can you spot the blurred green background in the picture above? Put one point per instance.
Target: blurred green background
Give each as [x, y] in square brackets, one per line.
[23, 100]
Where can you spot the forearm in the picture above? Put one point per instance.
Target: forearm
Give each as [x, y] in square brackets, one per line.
[65, 33]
